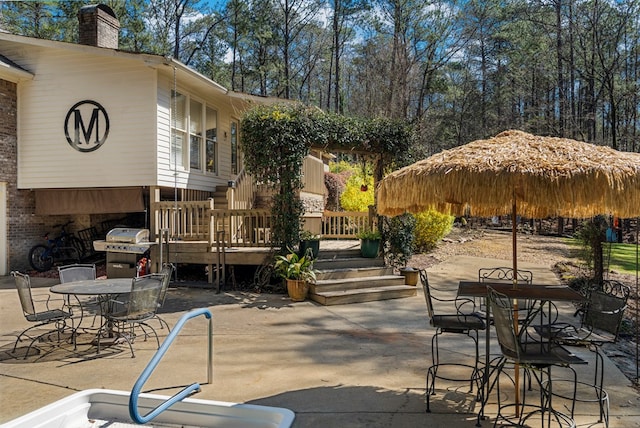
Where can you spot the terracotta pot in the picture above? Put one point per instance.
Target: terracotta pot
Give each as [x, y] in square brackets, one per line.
[297, 289]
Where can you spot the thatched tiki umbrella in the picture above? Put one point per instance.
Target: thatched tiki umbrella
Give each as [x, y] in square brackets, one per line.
[518, 173]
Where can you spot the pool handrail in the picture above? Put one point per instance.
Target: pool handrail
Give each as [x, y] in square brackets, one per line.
[144, 376]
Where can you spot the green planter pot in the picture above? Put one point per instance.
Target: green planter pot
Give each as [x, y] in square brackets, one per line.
[369, 247]
[313, 244]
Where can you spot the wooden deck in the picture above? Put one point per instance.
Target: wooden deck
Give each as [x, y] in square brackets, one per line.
[199, 252]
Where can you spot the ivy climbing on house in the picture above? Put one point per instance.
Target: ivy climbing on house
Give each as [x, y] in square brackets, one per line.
[277, 138]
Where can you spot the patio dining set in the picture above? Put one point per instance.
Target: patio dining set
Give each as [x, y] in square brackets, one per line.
[524, 318]
[122, 309]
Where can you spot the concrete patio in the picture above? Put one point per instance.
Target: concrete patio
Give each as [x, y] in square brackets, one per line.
[359, 365]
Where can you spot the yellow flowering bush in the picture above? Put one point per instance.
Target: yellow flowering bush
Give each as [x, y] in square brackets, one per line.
[431, 227]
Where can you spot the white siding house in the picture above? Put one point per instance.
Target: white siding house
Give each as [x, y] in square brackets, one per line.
[94, 118]
[89, 130]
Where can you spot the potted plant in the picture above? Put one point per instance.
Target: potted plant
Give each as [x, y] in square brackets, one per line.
[297, 271]
[369, 243]
[400, 244]
[309, 240]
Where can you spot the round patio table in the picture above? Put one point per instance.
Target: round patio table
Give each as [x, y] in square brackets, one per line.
[94, 287]
[103, 288]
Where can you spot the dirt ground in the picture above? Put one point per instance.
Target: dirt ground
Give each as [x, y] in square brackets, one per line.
[544, 250]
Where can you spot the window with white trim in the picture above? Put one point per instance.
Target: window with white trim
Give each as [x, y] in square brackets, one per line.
[234, 147]
[211, 150]
[178, 128]
[196, 123]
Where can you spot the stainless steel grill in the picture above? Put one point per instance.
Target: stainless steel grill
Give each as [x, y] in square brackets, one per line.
[124, 247]
[125, 240]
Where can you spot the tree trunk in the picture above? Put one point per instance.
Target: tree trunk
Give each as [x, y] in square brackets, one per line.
[598, 238]
[598, 261]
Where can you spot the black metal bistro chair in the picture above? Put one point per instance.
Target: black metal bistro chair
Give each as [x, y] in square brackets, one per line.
[79, 272]
[123, 318]
[506, 275]
[76, 272]
[49, 316]
[600, 321]
[456, 321]
[167, 273]
[537, 361]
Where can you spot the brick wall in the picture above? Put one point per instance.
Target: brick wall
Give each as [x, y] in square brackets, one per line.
[98, 26]
[22, 226]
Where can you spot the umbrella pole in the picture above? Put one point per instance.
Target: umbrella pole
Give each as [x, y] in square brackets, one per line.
[515, 301]
[514, 243]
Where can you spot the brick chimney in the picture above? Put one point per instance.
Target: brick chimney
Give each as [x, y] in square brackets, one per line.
[98, 26]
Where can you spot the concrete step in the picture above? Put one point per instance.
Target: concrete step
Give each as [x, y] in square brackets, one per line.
[356, 283]
[362, 295]
[351, 272]
[346, 262]
[326, 254]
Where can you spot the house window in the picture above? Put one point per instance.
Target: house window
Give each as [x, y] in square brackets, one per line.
[234, 147]
[178, 128]
[211, 151]
[195, 124]
[195, 134]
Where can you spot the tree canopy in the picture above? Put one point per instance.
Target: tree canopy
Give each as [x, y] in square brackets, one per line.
[457, 70]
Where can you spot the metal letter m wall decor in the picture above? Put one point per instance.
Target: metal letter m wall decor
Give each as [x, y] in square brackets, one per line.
[86, 126]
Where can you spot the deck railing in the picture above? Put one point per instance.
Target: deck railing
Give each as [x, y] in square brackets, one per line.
[346, 224]
[242, 193]
[198, 221]
[185, 220]
[243, 228]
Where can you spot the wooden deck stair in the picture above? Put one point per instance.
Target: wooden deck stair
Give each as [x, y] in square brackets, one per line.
[344, 277]
[220, 198]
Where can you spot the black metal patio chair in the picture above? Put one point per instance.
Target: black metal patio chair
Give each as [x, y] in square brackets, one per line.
[600, 321]
[456, 321]
[124, 318]
[167, 273]
[537, 362]
[79, 272]
[506, 275]
[39, 318]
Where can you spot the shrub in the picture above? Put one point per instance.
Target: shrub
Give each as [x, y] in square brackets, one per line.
[431, 227]
[341, 167]
[353, 198]
[400, 239]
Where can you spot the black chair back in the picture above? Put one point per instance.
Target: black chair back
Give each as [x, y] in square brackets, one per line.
[76, 272]
[605, 310]
[144, 296]
[504, 274]
[502, 310]
[167, 272]
[23, 285]
[427, 293]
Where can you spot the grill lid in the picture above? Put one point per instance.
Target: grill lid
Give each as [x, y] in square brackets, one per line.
[128, 235]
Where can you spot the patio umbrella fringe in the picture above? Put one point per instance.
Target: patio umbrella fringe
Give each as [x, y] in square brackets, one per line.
[550, 177]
